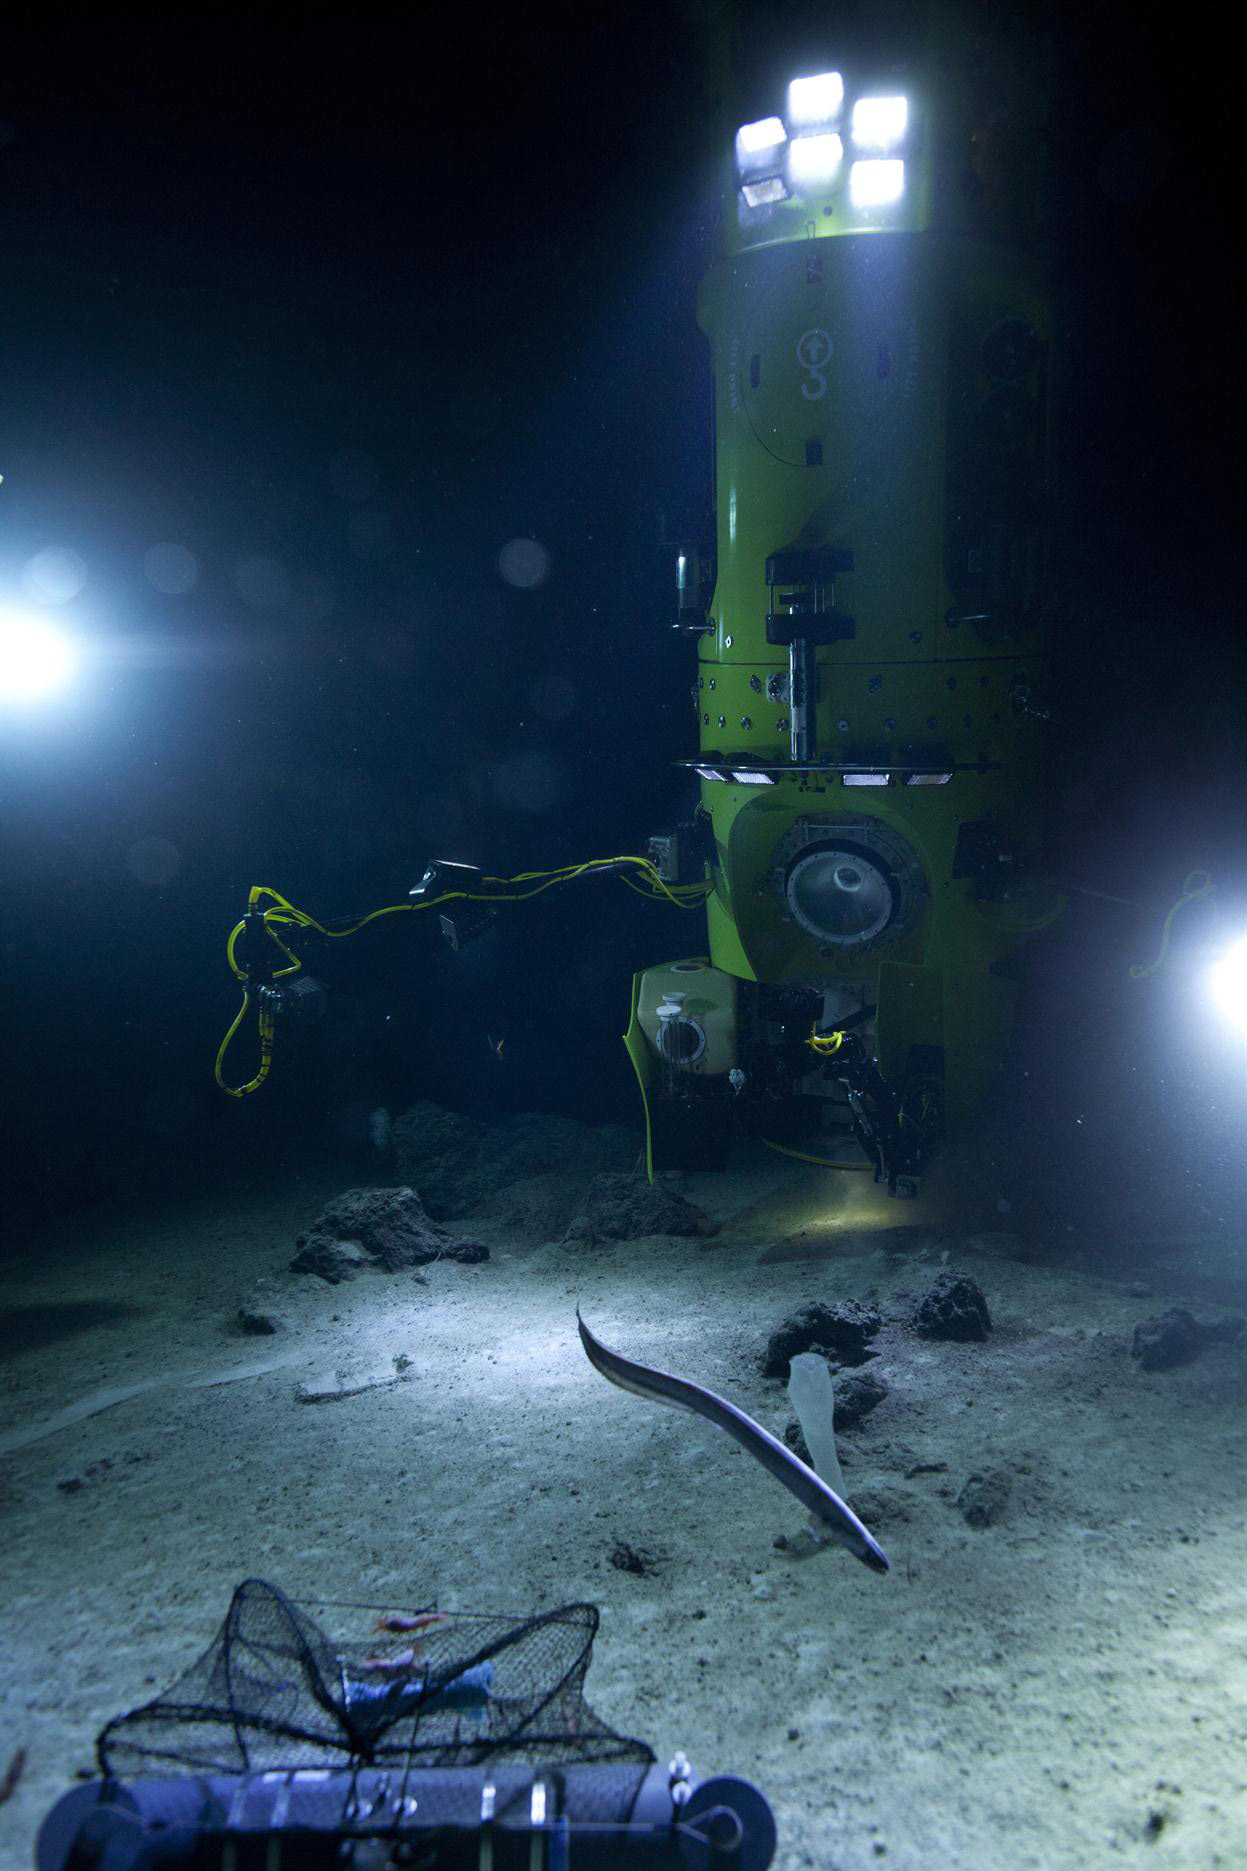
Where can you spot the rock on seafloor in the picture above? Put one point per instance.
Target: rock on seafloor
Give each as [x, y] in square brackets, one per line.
[383, 1228]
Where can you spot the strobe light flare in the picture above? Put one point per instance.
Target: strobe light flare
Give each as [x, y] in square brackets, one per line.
[1227, 985]
[35, 659]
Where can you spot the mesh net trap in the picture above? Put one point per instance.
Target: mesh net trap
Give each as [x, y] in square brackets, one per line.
[423, 1689]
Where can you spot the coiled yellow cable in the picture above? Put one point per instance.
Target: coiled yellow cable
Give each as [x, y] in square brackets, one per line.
[282, 913]
[1198, 884]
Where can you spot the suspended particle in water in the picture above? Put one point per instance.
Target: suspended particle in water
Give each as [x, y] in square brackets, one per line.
[524, 563]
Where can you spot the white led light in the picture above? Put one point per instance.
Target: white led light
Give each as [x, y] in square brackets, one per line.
[879, 122]
[762, 194]
[755, 142]
[927, 779]
[814, 159]
[876, 184]
[1227, 985]
[865, 779]
[815, 100]
[710, 773]
[34, 659]
[752, 779]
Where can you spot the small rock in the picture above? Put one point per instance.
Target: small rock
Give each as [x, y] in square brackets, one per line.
[856, 1395]
[1176, 1337]
[632, 1559]
[467, 1253]
[262, 1309]
[954, 1307]
[840, 1333]
[330, 1260]
[802, 1544]
[94, 1471]
[623, 1208]
[983, 1498]
[385, 1228]
[796, 1441]
[463, 1167]
[536, 1206]
[885, 1505]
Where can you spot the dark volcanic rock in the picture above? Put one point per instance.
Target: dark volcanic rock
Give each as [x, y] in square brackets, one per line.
[460, 1248]
[386, 1228]
[444, 1155]
[1176, 1337]
[621, 1208]
[536, 1206]
[841, 1333]
[263, 1309]
[632, 1559]
[464, 1167]
[795, 1438]
[855, 1397]
[328, 1259]
[983, 1498]
[954, 1307]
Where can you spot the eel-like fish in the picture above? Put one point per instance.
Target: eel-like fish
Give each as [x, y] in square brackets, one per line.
[778, 1460]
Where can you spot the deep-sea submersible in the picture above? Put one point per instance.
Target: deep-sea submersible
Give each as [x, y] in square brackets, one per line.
[870, 622]
[870, 627]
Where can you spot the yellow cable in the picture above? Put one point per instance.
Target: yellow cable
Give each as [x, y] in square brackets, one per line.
[803, 1157]
[824, 1044]
[1198, 884]
[266, 1051]
[281, 912]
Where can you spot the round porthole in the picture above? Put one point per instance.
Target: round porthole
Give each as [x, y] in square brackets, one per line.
[840, 895]
[681, 1042]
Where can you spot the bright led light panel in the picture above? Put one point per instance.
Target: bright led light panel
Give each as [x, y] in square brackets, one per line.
[756, 141]
[761, 194]
[813, 160]
[815, 100]
[876, 184]
[879, 122]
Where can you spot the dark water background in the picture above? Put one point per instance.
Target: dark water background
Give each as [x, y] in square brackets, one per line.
[269, 299]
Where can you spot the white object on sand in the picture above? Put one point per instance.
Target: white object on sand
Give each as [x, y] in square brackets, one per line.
[99, 1400]
[812, 1396]
[72, 1413]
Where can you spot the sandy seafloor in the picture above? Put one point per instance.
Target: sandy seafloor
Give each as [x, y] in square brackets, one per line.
[1066, 1687]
